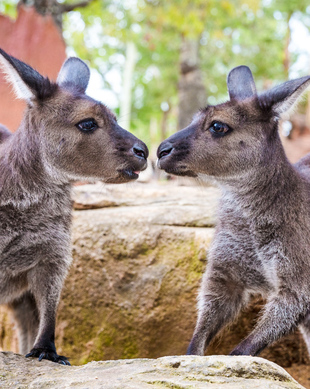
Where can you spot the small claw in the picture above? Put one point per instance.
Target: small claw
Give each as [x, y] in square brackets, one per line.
[49, 355]
[63, 360]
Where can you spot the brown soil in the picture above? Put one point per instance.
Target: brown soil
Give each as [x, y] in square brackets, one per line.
[301, 373]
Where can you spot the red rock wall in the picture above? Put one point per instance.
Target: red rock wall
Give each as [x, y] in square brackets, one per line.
[36, 40]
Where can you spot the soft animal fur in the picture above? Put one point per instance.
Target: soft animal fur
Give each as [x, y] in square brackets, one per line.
[262, 239]
[4, 133]
[64, 136]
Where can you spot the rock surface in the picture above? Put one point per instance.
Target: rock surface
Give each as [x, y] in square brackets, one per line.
[132, 287]
[137, 264]
[180, 372]
[166, 204]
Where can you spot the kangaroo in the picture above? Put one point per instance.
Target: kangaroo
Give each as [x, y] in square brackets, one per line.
[64, 136]
[262, 238]
[4, 133]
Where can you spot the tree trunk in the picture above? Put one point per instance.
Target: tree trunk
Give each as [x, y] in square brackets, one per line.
[125, 105]
[287, 59]
[192, 93]
[164, 124]
[53, 8]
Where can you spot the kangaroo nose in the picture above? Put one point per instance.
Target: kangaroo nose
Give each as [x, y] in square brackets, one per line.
[140, 150]
[164, 149]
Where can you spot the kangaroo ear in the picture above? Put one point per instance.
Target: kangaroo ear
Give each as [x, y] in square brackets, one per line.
[283, 97]
[240, 83]
[27, 83]
[74, 72]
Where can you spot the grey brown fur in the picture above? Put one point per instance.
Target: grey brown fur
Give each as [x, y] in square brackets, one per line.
[37, 166]
[262, 239]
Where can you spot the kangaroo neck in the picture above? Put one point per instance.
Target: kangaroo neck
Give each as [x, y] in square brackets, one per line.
[23, 177]
[267, 189]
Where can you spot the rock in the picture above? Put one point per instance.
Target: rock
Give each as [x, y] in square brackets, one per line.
[178, 372]
[131, 290]
[166, 204]
[8, 335]
[132, 286]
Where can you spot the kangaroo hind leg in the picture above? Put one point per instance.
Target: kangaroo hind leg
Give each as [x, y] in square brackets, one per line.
[26, 316]
[304, 328]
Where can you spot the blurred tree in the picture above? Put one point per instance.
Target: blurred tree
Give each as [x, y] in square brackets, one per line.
[46, 7]
[192, 92]
[54, 8]
[179, 44]
[188, 20]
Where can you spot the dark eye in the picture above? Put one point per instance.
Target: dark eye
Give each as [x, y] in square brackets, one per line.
[87, 125]
[219, 128]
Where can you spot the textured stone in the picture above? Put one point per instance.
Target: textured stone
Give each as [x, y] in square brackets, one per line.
[179, 372]
[131, 290]
[166, 204]
[132, 286]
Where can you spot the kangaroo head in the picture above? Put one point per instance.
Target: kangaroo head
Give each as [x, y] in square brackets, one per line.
[78, 137]
[230, 139]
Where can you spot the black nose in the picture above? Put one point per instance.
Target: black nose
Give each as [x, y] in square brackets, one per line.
[164, 149]
[140, 150]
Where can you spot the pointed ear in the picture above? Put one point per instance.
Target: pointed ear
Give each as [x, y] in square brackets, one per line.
[75, 72]
[240, 83]
[27, 83]
[283, 97]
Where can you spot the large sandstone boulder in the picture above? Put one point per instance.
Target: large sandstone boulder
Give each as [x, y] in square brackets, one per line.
[216, 372]
[139, 252]
[137, 264]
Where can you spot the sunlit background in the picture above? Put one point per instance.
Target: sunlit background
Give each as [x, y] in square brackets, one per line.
[144, 54]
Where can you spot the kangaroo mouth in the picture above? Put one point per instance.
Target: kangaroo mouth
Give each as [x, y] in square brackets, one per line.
[123, 176]
[181, 170]
[130, 174]
[127, 173]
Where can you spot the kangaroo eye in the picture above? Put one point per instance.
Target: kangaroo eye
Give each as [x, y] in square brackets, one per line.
[87, 125]
[220, 129]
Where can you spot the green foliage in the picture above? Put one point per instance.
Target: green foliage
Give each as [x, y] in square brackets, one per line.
[231, 32]
[8, 7]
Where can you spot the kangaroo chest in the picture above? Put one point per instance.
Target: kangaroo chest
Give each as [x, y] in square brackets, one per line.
[28, 236]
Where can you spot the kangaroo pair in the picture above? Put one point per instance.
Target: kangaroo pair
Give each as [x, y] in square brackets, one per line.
[261, 243]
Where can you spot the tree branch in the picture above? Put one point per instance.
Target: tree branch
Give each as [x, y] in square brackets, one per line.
[70, 7]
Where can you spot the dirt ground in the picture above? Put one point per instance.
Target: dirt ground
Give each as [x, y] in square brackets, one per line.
[301, 373]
